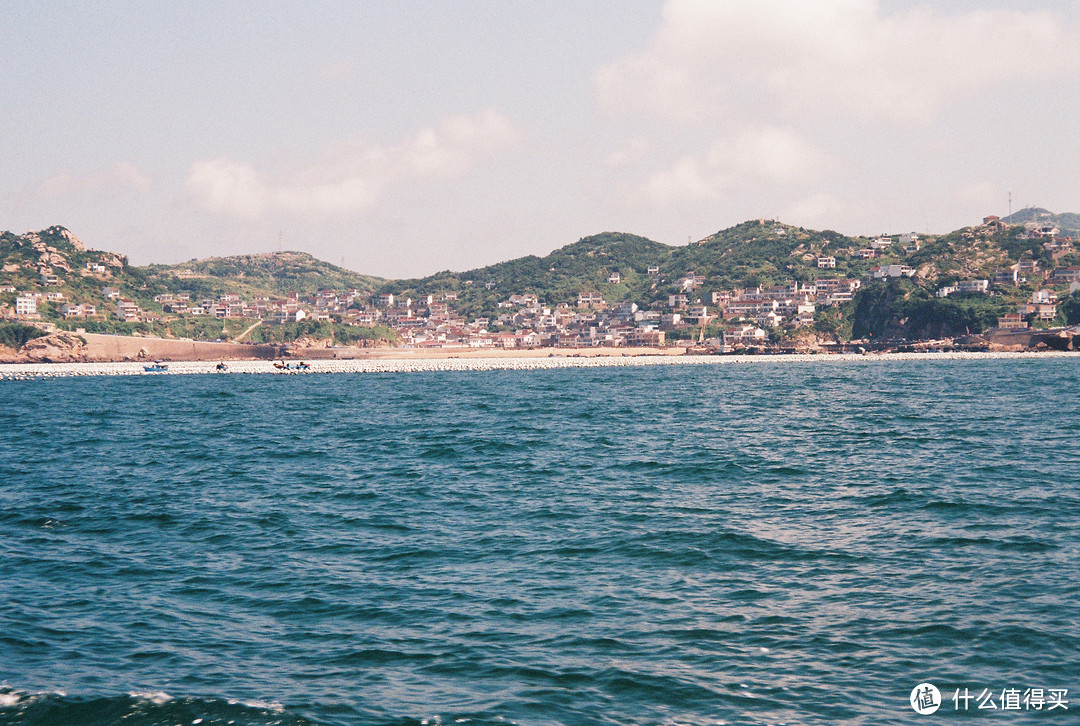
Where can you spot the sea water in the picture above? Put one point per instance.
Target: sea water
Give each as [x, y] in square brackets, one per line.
[763, 544]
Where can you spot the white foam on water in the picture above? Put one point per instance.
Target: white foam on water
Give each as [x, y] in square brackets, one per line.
[157, 698]
[264, 705]
[14, 698]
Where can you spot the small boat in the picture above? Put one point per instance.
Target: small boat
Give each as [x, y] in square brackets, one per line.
[156, 367]
[302, 366]
[221, 367]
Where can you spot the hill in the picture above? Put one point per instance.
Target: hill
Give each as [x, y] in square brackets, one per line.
[56, 251]
[1068, 223]
[754, 255]
[768, 253]
[557, 277]
[271, 273]
[57, 268]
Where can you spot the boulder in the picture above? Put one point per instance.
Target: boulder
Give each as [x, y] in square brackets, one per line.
[55, 348]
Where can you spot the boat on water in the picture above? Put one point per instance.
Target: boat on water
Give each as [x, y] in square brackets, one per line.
[221, 367]
[156, 367]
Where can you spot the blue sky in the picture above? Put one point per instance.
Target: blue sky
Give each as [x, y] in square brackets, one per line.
[403, 138]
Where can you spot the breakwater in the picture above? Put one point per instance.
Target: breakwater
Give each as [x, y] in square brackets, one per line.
[57, 370]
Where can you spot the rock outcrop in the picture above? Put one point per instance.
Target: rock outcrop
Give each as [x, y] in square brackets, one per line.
[56, 348]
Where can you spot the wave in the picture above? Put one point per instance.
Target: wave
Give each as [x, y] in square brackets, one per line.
[25, 708]
[19, 708]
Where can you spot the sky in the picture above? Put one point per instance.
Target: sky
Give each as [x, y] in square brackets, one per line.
[405, 137]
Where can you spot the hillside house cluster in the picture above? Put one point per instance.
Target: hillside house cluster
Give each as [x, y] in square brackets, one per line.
[290, 309]
[429, 322]
[527, 322]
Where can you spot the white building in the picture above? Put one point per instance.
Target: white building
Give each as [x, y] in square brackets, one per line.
[127, 310]
[745, 334]
[972, 285]
[25, 305]
[880, 273]
[585, 299]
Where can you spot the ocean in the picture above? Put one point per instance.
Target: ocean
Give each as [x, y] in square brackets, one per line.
[789, 543]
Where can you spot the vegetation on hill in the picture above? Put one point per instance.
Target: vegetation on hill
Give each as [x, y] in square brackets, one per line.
[16, 335]
[321, 330]
[85, 274]
[755, 253]
[1069, 222]
[767, 253]
[273, 273]
[900, 308]
[556, 278]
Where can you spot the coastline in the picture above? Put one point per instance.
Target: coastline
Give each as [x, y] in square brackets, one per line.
[387, 364]
[82, 347]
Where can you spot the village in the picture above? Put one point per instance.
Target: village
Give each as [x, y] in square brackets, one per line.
[739, 318]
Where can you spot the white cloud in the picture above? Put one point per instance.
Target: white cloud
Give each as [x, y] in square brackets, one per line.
[766, 156]
[630, 152]
[121, 177]
[833, 59]
[817, 210]
[686, 178]
[354, 177]
[221, 185]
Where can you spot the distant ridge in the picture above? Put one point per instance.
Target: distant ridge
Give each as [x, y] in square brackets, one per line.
[276, 272]
[1068, 222]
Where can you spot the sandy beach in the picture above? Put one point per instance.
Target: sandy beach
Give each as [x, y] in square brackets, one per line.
[22, 371]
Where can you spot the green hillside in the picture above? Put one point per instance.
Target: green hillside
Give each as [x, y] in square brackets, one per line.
[1069, 222]
[273, 273]
[767, 253]
[555, 278]
[755, 253]
[23, 258]
[83, 275]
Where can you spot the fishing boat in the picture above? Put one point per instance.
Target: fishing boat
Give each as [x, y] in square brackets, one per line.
[156, 367]
[221, 367]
